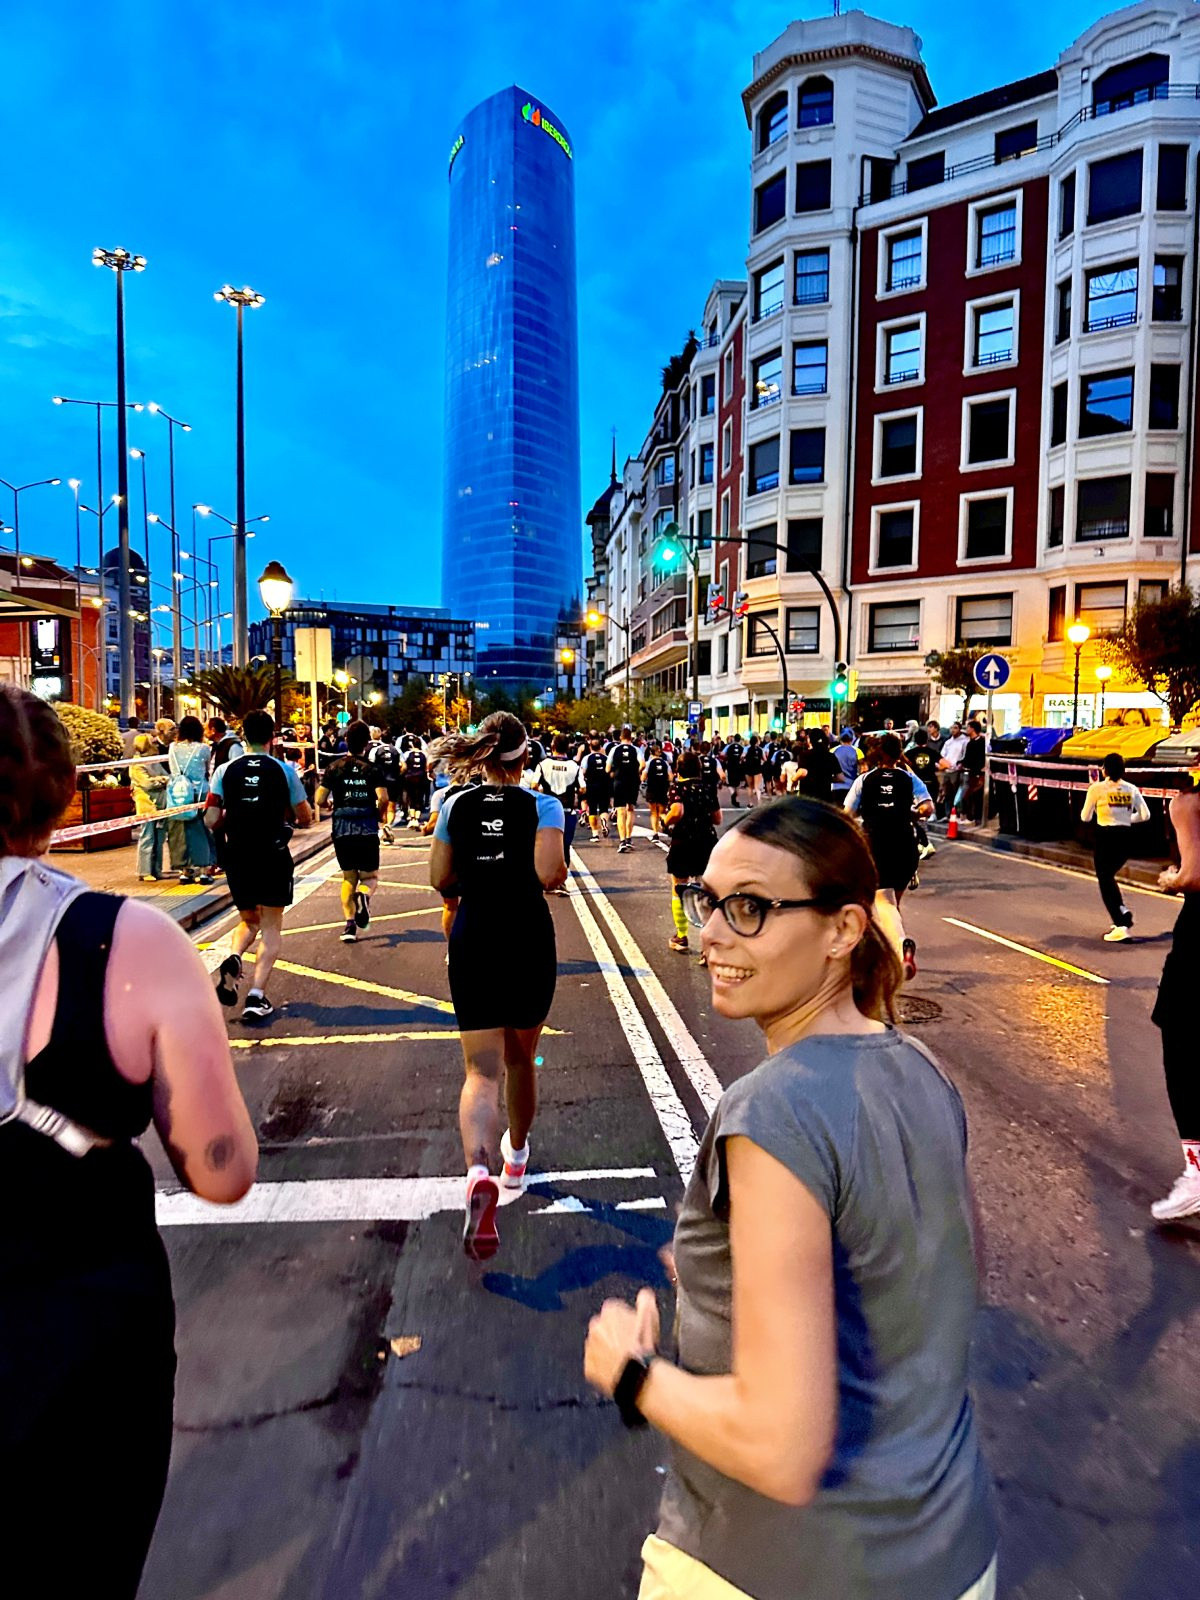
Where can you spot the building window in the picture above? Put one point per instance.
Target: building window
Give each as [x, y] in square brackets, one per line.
[1057, 620]
[768, 290]
[985, 528]
[706, 462]
[996, 235]
[1058, 513]
[984, 619]
[881, 178]
[708, 394]
[814, 186]
[902, 353]
[773, 120]
[895, 627]
[898, 446]
[723, 653]
[664, 472]
[1066, 206]
[1115, 187]
[764, 465]
[926, 171]
[1062, 311]
[766, 376]
[1172, 177]
[727, 446]
[1151, 591]
[905, 260]
[1164, 397]
[770, 202]
[989, 430]
[895, 537]
[761, 552]
[1101, 606]
[663, 520]
[807, 461]
[1102, 509]
[725, 516]
[728, 374]
[804, 544]
[758, 636]
[812, 277]
[1112, 297]
[703, 529]
[803, 637]
[993, 334]
[1159, 516]
[1167, 303]
[816, 103]
[1131, 83]
[1014, 142]
[1105, 403]
[810, 368]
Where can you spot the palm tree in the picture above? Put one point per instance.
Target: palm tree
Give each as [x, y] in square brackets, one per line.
[238, 690]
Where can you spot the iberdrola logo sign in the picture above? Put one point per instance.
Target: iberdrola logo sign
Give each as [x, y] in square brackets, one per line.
[533, 114]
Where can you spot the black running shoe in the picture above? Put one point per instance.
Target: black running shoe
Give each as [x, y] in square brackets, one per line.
[257, 1008]
[349, 932]
[362, 916]
[229, 975]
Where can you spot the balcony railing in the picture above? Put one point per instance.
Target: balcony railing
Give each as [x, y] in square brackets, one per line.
[764, 312]
[902, 375]
[1110, 528]
[817, 386]
[997, 358]
[814, 297]
[1162, 91]
[903, 280]
[1122, 319]
[770, 398]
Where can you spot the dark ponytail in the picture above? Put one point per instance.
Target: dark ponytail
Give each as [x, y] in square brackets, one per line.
[840, 871]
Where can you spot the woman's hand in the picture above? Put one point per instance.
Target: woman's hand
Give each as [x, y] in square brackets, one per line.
[618, 1332]
[1167, 880]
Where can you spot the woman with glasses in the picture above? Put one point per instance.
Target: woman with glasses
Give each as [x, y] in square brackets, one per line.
[824, 1442]
[693, 816]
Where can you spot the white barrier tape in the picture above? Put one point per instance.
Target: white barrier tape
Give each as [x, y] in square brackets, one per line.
[85, 830]
[132, 761]
[1006, 771]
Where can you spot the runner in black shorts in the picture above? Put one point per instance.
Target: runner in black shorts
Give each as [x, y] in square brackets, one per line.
[656, 774]
[625, 769]
[358, 792]
[1175, 1010]
[693, 820]
[416, 784]
[883, 799]
[253, 799]
[499, 846]
[597, 788]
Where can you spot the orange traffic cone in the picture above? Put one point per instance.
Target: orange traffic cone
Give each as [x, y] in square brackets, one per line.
[952, 825]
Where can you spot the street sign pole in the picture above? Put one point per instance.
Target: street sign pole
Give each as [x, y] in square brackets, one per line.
[990, 672]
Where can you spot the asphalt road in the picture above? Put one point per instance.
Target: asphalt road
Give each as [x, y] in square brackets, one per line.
[314, 1458]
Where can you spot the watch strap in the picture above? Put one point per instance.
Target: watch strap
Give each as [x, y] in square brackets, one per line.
[629, 1386]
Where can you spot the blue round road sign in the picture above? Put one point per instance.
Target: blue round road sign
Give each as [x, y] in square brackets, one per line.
[991, 672]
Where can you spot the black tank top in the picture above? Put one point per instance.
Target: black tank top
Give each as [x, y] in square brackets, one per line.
[60, 1214]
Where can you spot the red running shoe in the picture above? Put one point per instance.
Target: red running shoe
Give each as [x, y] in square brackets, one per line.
[909, 952]
[480, 1239]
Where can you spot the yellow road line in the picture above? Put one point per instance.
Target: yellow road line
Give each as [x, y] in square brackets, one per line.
[1026, 950]
[390, 916]
[384, 989]
[418, 1034]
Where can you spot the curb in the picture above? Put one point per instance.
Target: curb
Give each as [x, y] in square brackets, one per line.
[1144, 875]
[192, 913]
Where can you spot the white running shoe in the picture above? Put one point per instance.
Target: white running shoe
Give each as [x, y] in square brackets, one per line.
[928, 850]
[1117, 935]
[514, 1171]
[1183, 1200]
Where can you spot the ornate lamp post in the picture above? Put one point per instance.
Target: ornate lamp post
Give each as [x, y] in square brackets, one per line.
[275, 589]
[1078, 633]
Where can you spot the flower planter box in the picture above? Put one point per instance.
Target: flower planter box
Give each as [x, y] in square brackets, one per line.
[98, 805]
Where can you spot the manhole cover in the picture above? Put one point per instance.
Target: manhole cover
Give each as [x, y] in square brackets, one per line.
[912, 1012]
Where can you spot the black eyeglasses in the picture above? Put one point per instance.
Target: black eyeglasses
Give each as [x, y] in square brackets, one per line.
[745, 913]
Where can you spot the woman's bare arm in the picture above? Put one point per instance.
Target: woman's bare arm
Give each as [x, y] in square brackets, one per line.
[441, 865]
[548, 859]
[163, 1022]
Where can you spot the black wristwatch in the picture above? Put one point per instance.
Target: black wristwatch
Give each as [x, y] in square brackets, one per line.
[629, 1385]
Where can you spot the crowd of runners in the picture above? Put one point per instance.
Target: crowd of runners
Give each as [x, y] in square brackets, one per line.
[824, 1256]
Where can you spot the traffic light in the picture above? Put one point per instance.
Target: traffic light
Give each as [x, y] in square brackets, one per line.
[839, 689]
[741, 603]
[776, 724]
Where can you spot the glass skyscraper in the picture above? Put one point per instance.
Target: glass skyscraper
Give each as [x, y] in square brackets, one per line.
[511, 541]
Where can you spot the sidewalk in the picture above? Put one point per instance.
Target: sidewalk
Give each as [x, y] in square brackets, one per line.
[115, 872]
[1059, 852]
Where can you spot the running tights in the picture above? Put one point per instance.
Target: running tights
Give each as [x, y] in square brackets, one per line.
[1183, 1077]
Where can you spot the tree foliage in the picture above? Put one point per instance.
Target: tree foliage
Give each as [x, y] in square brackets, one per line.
[955, 672]
[239, 690]
[1159, 646]
[416, 709]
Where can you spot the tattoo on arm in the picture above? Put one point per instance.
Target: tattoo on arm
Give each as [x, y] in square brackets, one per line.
[220, 1153]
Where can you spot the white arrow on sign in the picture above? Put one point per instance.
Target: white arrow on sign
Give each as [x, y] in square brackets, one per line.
[992, 673]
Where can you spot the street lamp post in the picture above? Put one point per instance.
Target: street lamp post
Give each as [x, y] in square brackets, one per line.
[275, 589]
[596, 619]
[176, 599]
[120, 261]
[102, 601]
[1103, 674]
[177, 621]
[566, 658]
[241, 298]
[210, 585]
[1078, 633]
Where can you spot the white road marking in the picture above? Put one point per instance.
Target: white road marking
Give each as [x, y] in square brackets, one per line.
[1027, 950]
[672, 1115]
[571, 1206]
[691, 1058]
[357, 1199]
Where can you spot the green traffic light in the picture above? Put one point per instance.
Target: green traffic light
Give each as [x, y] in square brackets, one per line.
[668, 555]
[839, 688]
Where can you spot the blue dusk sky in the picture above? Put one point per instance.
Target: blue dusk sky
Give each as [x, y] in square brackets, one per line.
[302, 148]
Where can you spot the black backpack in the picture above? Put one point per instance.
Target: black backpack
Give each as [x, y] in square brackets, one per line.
[256, 801]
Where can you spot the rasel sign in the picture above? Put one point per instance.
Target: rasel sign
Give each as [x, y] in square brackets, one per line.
[535, 117]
